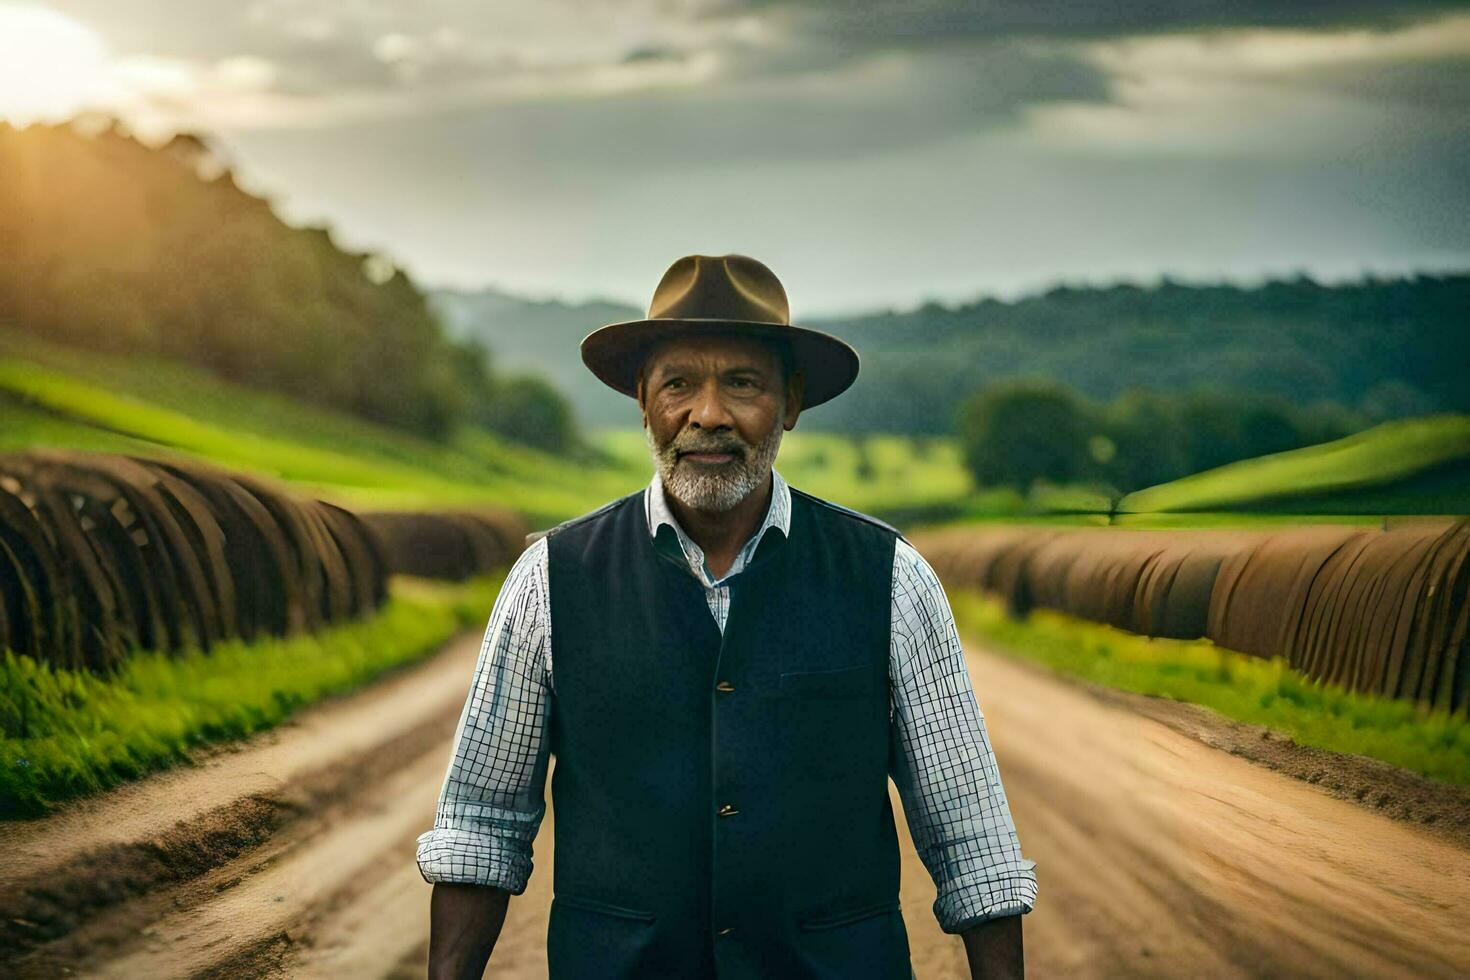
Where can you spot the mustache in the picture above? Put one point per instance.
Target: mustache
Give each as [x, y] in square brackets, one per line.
[737, 448]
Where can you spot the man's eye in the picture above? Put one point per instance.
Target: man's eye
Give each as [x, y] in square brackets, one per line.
[672, 382]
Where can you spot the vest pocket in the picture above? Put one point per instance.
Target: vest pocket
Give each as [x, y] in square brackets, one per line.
[832, 726]
[592, 905]
[586, 938]
[843, 682]
[851, 915]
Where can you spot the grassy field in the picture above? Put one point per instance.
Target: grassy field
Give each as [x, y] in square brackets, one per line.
[69, 733]
[56, 396]
[1247, 689]
[347, 460]
[1404, 467]
[1417, 465]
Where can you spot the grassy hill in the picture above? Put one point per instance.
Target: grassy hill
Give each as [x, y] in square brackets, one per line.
[1407, 466]
[112, 244]
[58, 396]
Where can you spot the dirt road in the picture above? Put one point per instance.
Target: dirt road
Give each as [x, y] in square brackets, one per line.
[1157, 855]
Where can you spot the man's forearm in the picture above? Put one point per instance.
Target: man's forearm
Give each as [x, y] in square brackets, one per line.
[464, 923]
[994, 948]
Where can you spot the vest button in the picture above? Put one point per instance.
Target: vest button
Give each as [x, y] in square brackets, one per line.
[724, 686]
[728, 810]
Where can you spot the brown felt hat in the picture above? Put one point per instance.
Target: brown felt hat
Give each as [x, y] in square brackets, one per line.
[719, 294]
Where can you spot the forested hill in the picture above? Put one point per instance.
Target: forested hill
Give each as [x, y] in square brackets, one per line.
[544, 336]
[110, 244]
[1391, 347]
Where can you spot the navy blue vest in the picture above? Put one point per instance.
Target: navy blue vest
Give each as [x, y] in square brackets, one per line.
[721, 802]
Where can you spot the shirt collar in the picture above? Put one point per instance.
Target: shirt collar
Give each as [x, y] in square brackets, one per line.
[778, 516]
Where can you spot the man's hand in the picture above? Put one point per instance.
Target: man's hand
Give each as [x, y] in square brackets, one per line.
[464, 923]
[994, 948]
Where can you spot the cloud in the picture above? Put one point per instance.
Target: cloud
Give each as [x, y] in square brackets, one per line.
[656, 65]
[1270, 93]
[1430, 84]
[887, 22]
[589, 90]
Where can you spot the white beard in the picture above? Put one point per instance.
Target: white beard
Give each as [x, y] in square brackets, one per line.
[715, 489]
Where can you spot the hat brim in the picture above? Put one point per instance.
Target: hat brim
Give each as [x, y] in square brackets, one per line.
[615, 352]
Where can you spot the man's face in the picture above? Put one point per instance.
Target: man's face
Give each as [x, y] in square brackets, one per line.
[714, 410]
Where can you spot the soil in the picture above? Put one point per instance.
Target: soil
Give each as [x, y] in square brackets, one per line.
[1168, 842]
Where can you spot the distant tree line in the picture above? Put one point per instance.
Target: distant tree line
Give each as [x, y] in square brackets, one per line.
[1381, 347]
[1021, 430]
[112, 245]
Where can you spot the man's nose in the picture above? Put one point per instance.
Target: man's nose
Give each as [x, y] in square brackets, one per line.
[709, 410]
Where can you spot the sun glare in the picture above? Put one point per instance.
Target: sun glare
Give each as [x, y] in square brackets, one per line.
[50, 66]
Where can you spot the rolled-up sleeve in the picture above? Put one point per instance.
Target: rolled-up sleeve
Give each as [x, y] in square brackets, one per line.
[942, 763]
[493, 798]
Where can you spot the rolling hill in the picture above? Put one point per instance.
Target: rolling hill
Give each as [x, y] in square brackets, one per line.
[1406, 466]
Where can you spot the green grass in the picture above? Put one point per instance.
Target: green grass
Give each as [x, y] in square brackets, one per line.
[1247, 689]
[70, 733]
[28, 427]
[1404, 466]
[351, 462]
[62, 397]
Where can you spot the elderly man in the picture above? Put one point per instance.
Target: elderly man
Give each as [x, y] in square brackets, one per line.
[739, 667]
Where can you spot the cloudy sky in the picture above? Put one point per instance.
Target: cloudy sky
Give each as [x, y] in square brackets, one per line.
[873, 154]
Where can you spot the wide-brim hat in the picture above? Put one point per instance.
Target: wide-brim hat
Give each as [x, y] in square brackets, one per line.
[720, 294]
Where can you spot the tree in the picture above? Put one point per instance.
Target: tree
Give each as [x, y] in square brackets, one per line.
[1211, 418]
[1015, 432]
[527, 409]
[1268, 425]
[1325, 421]
[1394, 399]
[1151, 443]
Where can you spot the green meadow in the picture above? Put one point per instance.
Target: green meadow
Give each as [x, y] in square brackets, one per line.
[62, 397]
[1405, 466]
[70, 399]
[1397, 468]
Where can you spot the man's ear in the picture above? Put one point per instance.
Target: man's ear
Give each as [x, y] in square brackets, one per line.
[795, 388]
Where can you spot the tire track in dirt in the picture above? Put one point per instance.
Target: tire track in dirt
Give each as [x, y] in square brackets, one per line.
[289, 894]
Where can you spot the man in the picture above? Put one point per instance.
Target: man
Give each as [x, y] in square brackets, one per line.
[739, 667]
